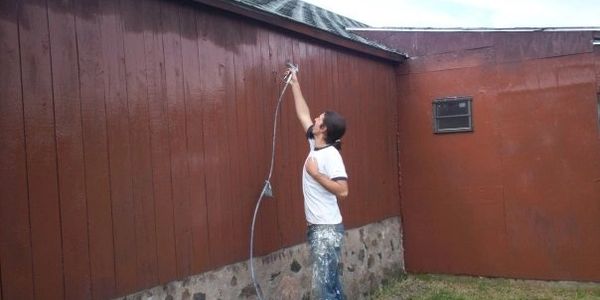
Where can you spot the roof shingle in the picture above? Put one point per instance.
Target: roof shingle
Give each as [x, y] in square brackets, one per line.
[314, 16]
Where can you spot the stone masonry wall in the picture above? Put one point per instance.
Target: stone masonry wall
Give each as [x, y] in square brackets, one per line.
[371, 254]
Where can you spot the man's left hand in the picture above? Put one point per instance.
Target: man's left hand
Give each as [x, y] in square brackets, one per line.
[312, 167]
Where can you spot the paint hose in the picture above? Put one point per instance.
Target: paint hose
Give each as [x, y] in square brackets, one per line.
[267, 189]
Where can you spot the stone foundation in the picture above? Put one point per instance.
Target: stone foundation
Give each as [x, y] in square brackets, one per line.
[370, 254]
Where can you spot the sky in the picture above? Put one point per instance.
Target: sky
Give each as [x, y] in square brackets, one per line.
[468, 13]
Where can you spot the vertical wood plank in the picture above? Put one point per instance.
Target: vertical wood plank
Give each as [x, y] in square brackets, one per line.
[160, 148]
[118, 129]
[236, 167]
[351, 153]
[15, 234]
[379, 109]
[361, 102]
[215, 125]
[196, 208]
[159, 128]
[95, 146]
[38, 105]
[177, 135]
[262, 125]
[366, 107]
[139, 137]
[286, 123]
[70, 164]
[283, 175]
[228, 138]
[390, 157]
[296, 153]
[263, 129]
[245, 114]
[267, 235]
[393, 91]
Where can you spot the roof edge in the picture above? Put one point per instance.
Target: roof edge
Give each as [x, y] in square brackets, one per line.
[301, 28]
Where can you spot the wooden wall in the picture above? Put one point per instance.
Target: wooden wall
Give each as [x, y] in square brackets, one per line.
[518, 196]
[136, 138]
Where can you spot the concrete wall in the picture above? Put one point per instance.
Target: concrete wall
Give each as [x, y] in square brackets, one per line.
[518, 196]
[371, 254]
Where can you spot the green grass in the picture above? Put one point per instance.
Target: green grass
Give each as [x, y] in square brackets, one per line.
[446, 287]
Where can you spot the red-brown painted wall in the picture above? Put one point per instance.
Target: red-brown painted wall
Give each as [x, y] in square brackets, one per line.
[136, 138]
[520, 195]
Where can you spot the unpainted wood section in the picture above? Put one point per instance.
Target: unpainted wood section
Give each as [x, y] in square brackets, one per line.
[159, 141]
[139, 138]
[177, 136]
[119, 149]
[44, 203]
[69, 141]
[15, 233]
[192, 76]
[95, 147]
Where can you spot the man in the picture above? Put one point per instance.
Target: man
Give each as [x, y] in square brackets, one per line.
[324, 180]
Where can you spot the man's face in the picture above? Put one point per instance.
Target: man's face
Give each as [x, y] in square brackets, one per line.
[319, 124]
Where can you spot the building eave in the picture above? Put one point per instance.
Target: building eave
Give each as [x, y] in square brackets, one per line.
[304, 29]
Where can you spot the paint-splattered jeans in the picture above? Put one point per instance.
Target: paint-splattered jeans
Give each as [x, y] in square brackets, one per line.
[325, 242]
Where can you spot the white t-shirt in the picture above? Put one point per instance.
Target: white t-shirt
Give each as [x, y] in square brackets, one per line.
[320, 205]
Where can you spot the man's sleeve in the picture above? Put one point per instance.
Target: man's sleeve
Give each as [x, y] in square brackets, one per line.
[309, 134]
[335, 168]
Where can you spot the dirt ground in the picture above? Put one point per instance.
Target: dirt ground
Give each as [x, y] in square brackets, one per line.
[446, 287]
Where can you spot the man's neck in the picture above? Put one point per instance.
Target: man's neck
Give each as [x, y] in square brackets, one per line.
[320, 141]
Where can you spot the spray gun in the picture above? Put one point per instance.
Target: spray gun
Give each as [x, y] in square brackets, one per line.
[292, 69]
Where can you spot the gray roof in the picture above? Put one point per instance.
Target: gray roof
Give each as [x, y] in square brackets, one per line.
[315, 16]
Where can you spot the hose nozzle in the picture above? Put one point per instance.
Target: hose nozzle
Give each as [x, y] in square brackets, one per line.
[292, 69]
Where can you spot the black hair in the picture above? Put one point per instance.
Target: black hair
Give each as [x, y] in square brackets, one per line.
[336, 127]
